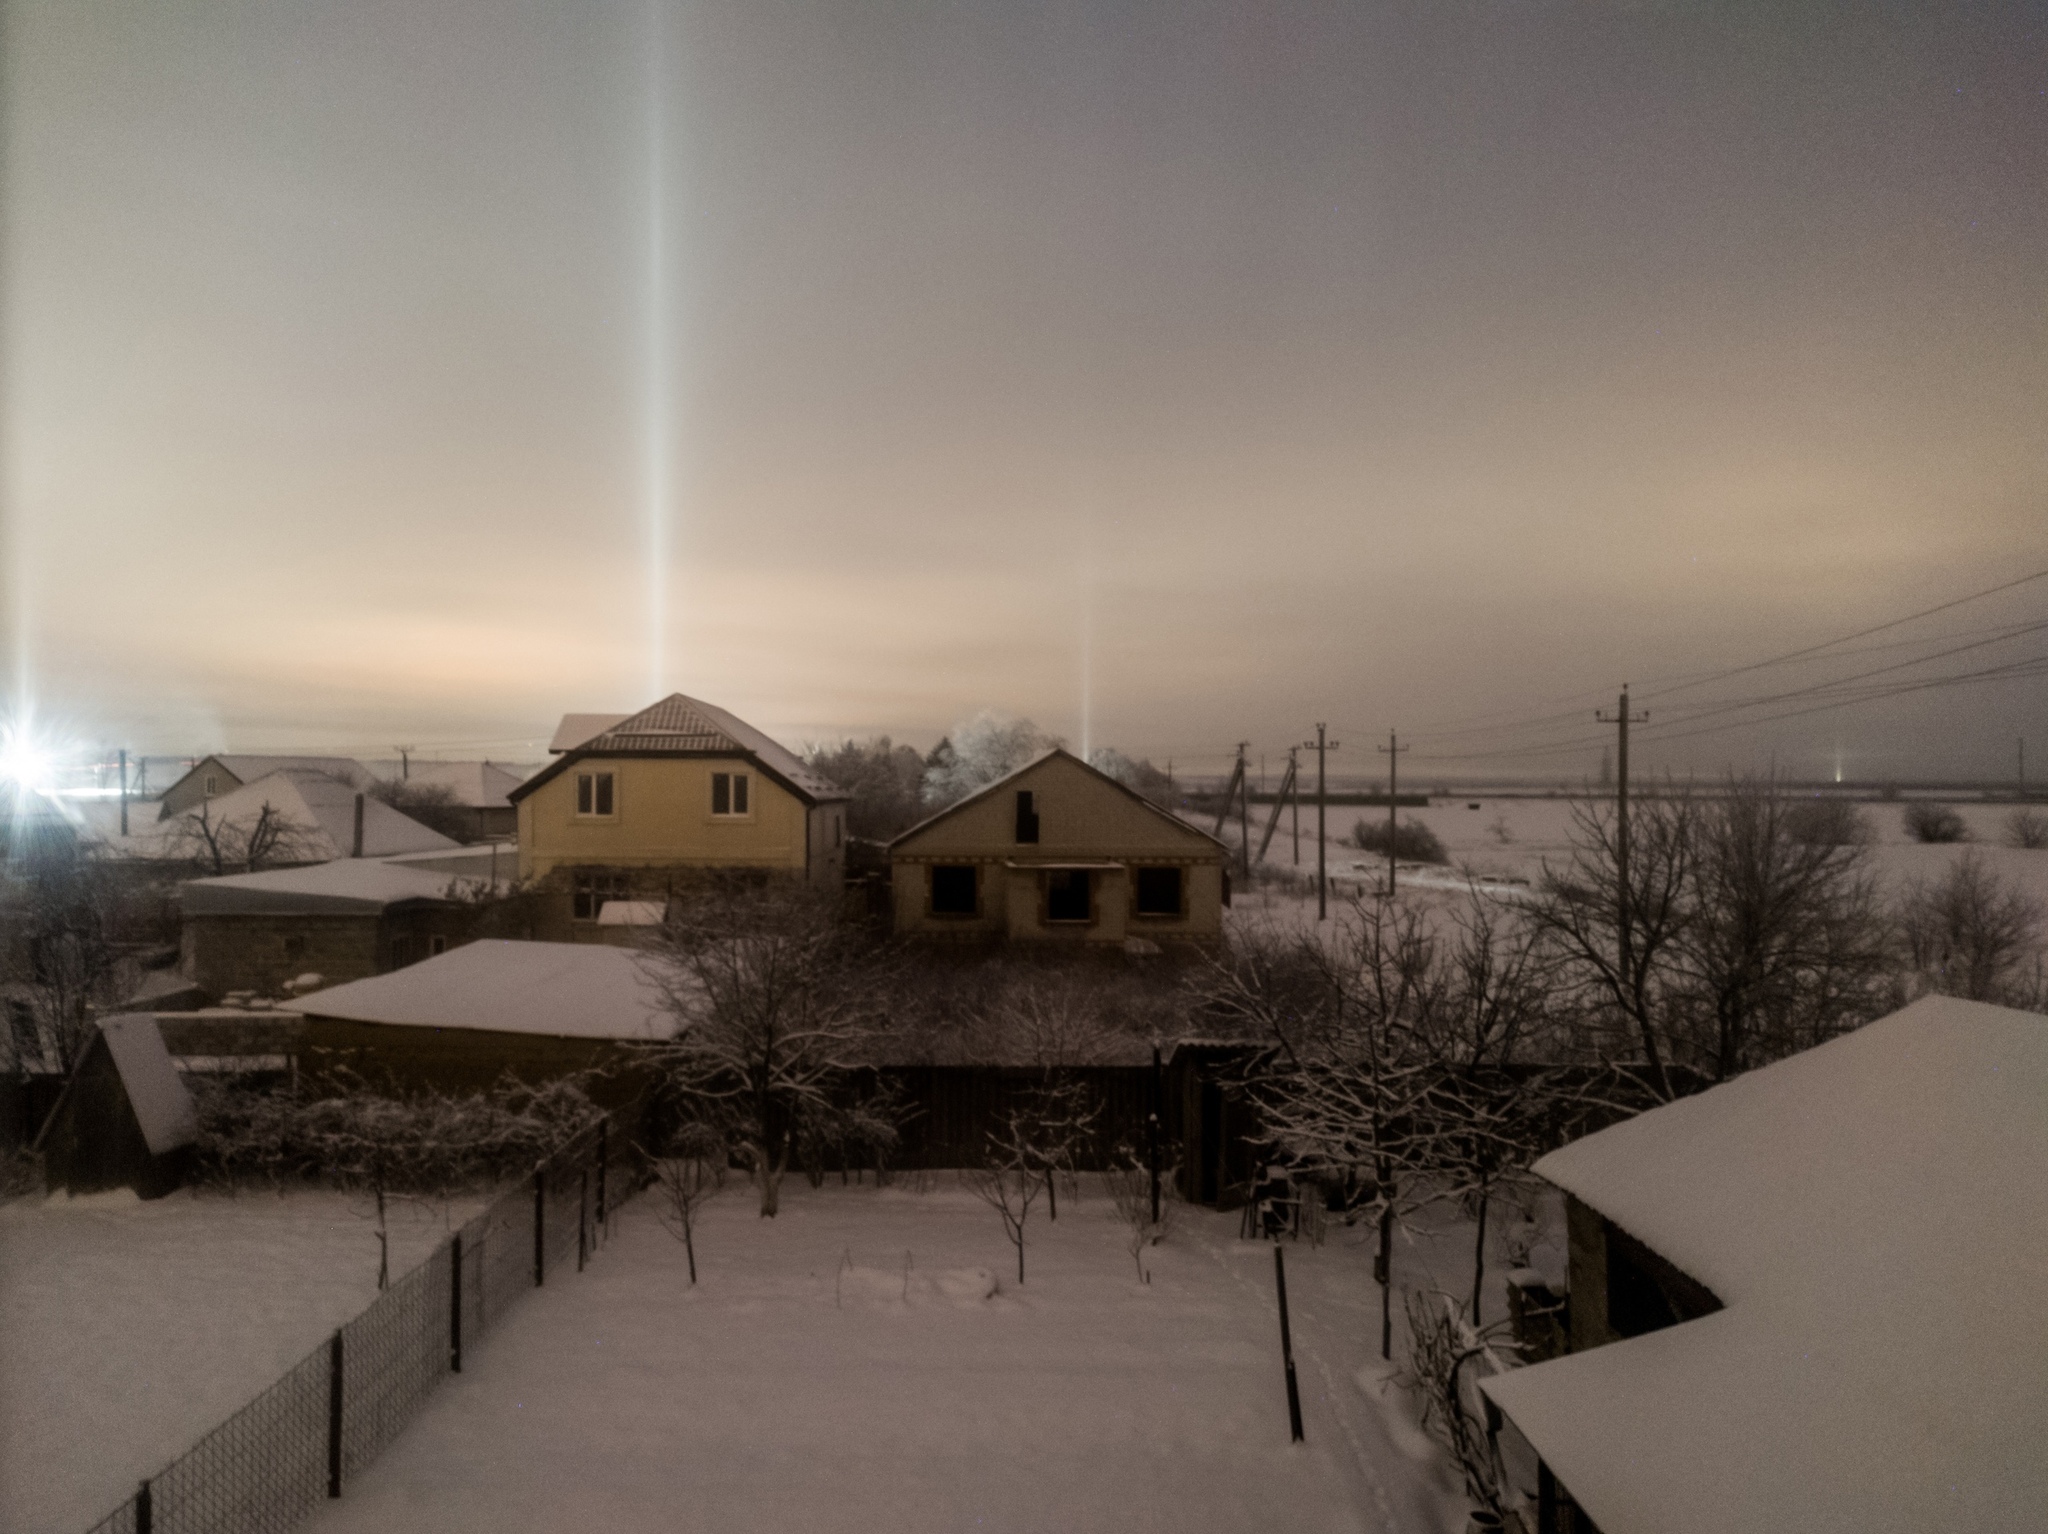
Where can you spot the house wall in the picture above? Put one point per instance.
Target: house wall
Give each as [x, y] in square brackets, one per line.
[1082, 818]
[662, 819]
[261, 952]
[1620, 1287]
[189, 792]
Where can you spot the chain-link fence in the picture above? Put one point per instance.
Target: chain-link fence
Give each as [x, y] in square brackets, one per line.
[314, 1430]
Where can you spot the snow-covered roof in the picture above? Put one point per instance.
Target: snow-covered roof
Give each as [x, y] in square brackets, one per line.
[248, 767]
[632, 913]
[575, 729]
[571, 990]
[162, 1105]
[323, 808]
[342, 886]
[680, 726]
[474, 785]
[1873, 1214]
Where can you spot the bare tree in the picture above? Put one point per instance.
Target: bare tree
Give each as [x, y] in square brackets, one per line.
[62, 913]
[977, 752]
[433, 805]
[267, 839]
[886, 781]
[1616, 941]
[1010, 1183]
[1129, 1185]
[1782, 947]
[1970, 933]
[687, 1174]
[772, 1006]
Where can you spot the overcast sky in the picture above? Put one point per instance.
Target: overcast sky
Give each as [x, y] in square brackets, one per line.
[1172, 374]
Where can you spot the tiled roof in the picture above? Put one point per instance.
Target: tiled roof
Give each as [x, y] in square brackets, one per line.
[688, 726]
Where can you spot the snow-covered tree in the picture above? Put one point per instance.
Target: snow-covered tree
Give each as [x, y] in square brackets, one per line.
[1970, 933]
[977, 752]
[774, 999]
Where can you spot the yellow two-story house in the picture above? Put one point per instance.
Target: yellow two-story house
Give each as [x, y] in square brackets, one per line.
[635, 805]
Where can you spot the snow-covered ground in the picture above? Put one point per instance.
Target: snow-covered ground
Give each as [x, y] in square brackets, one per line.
[1505, 841]
[846, 1366]
[129, 1329]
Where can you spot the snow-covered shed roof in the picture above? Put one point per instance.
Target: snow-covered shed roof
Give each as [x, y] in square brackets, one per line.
[680, 726]
[163, 1107]
[474, 785]
[323, 809]
[570, 990]
[1873, 1214]
[575, 729]
[343, 886]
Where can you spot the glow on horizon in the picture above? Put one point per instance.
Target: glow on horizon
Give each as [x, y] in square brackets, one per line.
[658, 392]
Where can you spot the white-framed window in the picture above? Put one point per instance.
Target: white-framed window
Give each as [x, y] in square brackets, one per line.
[596, 793]
[730, 794]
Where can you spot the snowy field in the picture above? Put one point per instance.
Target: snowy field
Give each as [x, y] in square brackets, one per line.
[129, 1329]
[1504, 843]
[867, 1361]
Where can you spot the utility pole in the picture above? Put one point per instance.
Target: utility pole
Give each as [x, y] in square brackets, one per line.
[1294, 801]
[404, 762]
[2023, 766]
[1286, 790]
[1392, 751]
[1622, 719]
[124, 788]
[1238, 788]
[1323, 747]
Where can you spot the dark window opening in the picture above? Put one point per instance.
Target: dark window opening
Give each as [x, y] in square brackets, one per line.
[953, 890]
[294, 947]
[1027, 816]
[1069, 895]
[591, 891]
[1159, 892]
[436, 945]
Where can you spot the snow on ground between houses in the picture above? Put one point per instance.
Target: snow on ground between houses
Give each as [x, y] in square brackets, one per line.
[867, 1360]
[130, 1329]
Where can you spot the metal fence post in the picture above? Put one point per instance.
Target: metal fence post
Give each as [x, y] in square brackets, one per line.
[582, 1220]
[334, 1416]
[145, 1511]
[1287, 1342]
[540, 1215]
[604, 1154]
[455, 1304]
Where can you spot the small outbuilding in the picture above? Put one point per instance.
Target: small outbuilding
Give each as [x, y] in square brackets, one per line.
[463, 1020]
[125, 1119]
[1057, 851]
[1810, 1298]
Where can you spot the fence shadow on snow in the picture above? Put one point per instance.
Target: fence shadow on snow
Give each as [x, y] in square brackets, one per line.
[314, 1430]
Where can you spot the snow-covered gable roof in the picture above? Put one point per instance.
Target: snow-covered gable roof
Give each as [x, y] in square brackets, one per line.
[343, 886]
[323, 808]
[163, 1107]
[680, 726]
[569, 990]
[246, 767]
[1873, 1214]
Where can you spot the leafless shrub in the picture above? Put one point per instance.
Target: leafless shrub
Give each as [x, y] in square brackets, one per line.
[1826, 823]
[433, 805]
[1442, 1346]
[1129, 1185]
[2026, 828]
[1926, 822]
[1970, 933]
[1411, 839]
